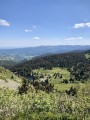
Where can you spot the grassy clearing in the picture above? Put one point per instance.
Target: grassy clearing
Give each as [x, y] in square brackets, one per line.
[63, 87]
[54, 70]
[87, 56]
[64, 72]
[57, 81]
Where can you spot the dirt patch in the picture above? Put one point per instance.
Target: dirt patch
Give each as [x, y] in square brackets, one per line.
[12, 85]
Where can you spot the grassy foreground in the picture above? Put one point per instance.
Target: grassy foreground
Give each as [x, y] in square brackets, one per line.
[44, 106]
[40, 105]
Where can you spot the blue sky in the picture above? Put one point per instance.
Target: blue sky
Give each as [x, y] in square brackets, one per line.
[25, 23]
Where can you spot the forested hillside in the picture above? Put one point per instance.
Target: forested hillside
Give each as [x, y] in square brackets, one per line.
[7, 63]
[58, 60]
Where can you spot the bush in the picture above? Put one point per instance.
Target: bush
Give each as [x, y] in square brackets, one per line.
[72, 91]
[65, 81]
[50, 116]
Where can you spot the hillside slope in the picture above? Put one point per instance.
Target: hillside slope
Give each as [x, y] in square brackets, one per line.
[8, 79]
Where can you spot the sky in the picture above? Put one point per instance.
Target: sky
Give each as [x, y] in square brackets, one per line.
[26, 23]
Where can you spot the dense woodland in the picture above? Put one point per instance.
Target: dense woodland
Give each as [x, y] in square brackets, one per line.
[75, 62]
[81, 71]
[59, 60]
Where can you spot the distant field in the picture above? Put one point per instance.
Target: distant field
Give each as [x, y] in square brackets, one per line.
[57, 81]
[64, 72]
[54, 70]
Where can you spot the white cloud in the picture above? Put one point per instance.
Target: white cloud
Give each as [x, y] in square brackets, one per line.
[34, 26]
[79, 25]
[75, 38]
[28, 30]
[4, 23]
[36, 38]
[82, 25]
[87, 24]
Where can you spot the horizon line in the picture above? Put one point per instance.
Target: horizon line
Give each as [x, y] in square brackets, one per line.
[15, 47]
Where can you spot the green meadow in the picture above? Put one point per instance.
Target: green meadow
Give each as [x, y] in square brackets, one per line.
[58, 81]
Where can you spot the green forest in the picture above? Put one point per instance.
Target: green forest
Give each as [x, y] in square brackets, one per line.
[59, 89]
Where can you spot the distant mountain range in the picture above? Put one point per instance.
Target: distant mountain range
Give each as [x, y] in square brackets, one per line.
[43, 50]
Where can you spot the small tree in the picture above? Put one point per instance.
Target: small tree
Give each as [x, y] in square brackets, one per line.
[25, 86]
[72, 91]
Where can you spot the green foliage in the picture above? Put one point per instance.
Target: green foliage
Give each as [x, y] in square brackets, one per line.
[24, 87]
[69, 101]
[50, 116]
[44, 86]
[3, 77]
[72, 91]
[43, 106]
[81, 72]
[87, 56]
[65, 81]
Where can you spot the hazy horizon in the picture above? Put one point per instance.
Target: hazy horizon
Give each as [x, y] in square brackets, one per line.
[38, 46]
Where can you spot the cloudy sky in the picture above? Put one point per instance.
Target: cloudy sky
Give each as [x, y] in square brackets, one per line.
[25, 23]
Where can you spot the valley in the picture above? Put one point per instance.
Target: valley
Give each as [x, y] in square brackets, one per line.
[44, 59]
[54, 87]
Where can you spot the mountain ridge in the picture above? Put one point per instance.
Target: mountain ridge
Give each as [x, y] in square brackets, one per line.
[40, 50]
